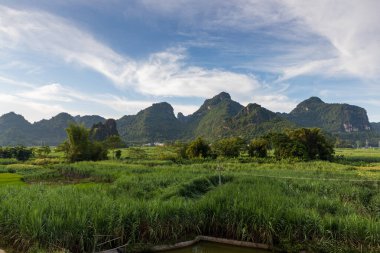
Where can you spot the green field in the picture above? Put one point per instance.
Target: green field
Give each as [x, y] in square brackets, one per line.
[10, 179]
[147, 199]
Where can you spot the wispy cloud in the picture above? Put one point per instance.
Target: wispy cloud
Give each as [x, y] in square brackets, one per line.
[161, 74]
[34, 31]
[333, 38]
[324, 37]
[37, 102]
[351, 27]
[167, 74]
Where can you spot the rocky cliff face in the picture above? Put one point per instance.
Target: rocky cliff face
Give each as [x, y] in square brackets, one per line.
[89, 120]
[156, 123]
[101, 131]
[210, 119]
[313, 112]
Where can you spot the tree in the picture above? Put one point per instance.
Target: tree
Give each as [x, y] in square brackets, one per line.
[302, 143]
[198, 149]
[42, 151]
[315, 145]
[79, 147]
[118, 154]
[113, 142]
[228, 147]
[258, 148]
[21, 153]
[181, 149]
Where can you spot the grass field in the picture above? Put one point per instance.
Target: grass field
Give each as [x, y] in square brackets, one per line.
[10, 179]
[148, 199]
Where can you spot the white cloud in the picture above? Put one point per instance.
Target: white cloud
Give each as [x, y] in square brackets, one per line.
[33, 31]
[32, 110]
[276, 102]
[162, 74]
[37, 102]
[327, 67]
[324, 37]
[10, 81]
[166, 74]
[336, 37]
[351, 27]
[51, 92]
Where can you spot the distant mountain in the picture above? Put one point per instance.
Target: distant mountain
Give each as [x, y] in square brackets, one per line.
[209, 120]
[52, 131]
[218, 117]
[255, 120]
[375, 126]
[333, 118]
[156, 123]
[14, 130]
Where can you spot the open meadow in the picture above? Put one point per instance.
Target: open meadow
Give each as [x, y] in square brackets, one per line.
[148, 198]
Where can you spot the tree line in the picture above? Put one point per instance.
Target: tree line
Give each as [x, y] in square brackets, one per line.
[303, 144]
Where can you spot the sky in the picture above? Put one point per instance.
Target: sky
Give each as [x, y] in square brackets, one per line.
[117, 57]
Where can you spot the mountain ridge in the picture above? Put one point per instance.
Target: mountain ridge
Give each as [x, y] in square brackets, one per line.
[217, 117]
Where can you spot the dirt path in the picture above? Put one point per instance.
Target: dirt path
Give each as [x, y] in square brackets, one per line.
[2, 251]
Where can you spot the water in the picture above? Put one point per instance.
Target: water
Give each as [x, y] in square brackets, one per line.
[209, 247]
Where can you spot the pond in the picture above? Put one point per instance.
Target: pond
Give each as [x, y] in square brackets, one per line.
[210, 247]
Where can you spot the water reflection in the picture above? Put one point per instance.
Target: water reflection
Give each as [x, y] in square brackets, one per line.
[208, 247]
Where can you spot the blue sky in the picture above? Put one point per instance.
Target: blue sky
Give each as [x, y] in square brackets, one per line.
[116, 57]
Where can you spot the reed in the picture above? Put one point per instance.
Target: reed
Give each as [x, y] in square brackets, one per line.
[318, 206]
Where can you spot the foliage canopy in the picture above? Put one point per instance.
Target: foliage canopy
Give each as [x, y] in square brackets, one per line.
[79, 147]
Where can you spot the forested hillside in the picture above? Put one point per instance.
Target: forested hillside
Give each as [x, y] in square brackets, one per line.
[217, 117]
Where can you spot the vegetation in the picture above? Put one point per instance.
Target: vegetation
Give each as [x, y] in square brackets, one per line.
[113, 142]
[20, 153]
[198, 149]
[258, 148]
[302, 143]
[318, 206]
[229, 147]
[218, 117]
[79, 146]
[295, 197]
[117, 154]
[42, 152]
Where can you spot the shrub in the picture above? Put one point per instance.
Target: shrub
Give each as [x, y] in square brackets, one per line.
[181, 149]
[258, 148]
[21, 153]
[198, 149]
[228, 147]
[118, 154]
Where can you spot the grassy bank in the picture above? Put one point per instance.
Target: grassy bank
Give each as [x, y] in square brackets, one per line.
[82, 207]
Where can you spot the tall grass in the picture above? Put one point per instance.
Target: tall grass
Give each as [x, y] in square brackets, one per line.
[318, 206]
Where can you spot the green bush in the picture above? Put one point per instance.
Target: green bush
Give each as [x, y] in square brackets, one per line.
[258, 148]
[118, 154]
[303, 144]
[79, 147]
[20, 153]
[228, 147]
[198, 149]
